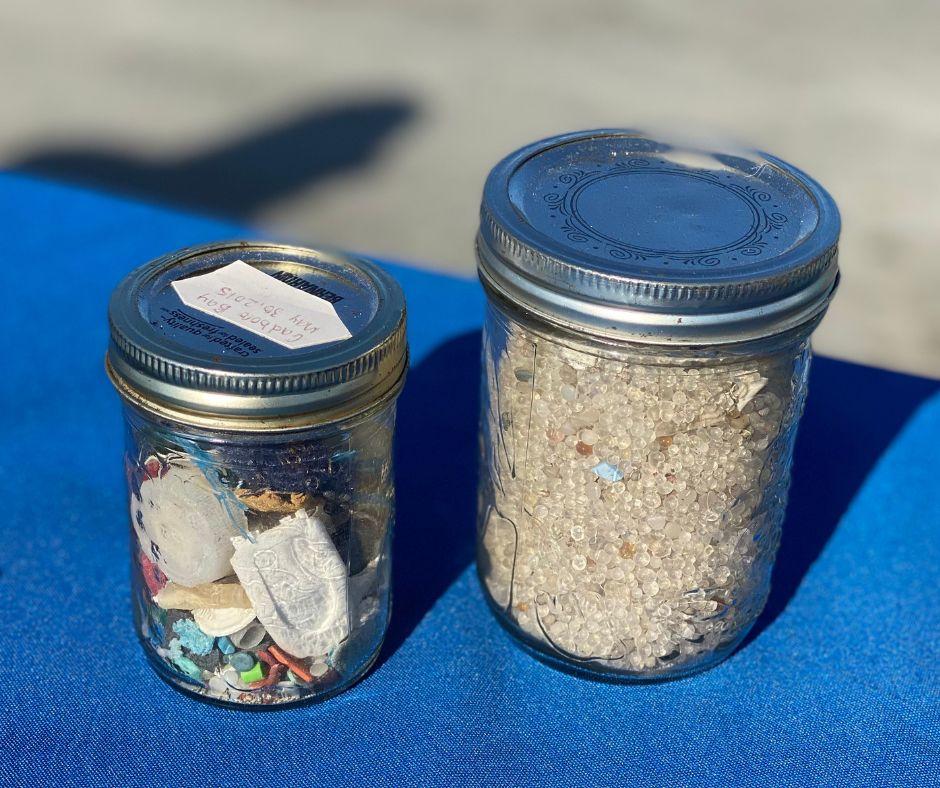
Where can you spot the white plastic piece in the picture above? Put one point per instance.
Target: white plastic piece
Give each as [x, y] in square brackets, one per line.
[297, 584]
[184, 528]
[222, 621]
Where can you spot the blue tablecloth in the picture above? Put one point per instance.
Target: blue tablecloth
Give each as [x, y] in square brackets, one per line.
[838, 684]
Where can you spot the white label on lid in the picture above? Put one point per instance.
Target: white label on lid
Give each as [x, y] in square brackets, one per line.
[251, 299]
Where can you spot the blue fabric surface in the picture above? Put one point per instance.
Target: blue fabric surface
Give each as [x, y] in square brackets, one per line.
[837, 685]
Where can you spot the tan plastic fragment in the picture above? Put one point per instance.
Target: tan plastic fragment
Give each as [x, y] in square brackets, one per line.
[205, 596]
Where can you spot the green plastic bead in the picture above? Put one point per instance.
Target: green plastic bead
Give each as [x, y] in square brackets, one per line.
[254, 674]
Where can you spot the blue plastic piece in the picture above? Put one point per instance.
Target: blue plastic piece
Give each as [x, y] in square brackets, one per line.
[192, 637]
[607, 471]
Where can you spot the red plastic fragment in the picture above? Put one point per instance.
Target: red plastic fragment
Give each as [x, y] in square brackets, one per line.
[273, 677]
[291, 662]
[153, 468]
[153, 577]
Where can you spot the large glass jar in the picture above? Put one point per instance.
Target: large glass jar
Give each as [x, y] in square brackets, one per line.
[259, 469]
[645, 354]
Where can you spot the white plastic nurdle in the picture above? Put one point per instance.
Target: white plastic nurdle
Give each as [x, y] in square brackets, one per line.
[634, 509]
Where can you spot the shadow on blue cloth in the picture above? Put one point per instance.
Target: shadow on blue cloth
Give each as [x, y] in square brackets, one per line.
[437, 471]
[436, 477]
[833, 457]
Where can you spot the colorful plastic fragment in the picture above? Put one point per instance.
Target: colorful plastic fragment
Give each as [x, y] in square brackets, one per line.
[185, 664]
[273, 677]
[192, 637]
[607, 471]
[153, 577]
[255, 674]
[294, 664]
[241, 661]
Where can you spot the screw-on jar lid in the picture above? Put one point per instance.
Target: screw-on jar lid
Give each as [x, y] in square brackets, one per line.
[252, 335]
[624, 236]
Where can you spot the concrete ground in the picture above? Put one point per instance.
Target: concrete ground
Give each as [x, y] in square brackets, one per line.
[372, 125]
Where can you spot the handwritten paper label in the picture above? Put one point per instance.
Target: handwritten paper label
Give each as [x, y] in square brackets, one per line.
[253, 300]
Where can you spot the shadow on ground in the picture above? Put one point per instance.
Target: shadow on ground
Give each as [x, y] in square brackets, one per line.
[853, 413]
[436, 477]
[241, 176]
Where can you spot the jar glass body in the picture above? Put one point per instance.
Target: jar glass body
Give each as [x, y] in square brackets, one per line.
[260, 560]
[631, 496]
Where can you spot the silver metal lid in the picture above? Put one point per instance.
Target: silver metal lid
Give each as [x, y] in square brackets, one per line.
[624, 236]
[181, 362]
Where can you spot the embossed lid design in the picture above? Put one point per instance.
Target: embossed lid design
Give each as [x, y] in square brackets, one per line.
[625, 236]
[178, 359]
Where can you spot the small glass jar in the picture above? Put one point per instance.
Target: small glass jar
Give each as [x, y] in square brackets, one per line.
[645, 352]
[259, 385]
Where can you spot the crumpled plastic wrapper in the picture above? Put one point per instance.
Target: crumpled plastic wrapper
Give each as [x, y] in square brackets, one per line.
[296, 582]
